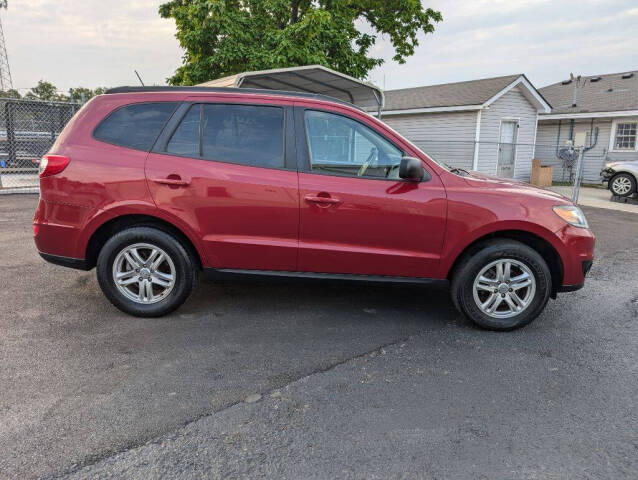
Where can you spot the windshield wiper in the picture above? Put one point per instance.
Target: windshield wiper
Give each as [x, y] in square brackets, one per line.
[459, 171]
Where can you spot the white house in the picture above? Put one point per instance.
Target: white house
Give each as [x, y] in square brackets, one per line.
[487, 125]
[580, 105]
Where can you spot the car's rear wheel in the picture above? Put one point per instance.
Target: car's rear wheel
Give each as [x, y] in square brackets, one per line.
[623, 185]
[145, 272]
[501, 285]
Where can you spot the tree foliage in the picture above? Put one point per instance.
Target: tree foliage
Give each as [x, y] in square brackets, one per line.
[44, 91]
[224, 37]
[83, 94]
[48, 92]
[11, 93]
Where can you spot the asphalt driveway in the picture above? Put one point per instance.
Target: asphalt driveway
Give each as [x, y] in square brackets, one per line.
[356, 381]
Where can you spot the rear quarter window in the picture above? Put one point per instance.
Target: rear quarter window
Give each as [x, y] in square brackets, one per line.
[135, 126]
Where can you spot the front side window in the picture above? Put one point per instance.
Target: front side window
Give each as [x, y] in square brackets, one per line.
[135, 126]
[625, 136]
[341, 146]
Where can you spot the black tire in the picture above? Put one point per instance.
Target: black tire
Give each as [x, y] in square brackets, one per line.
[185, 279]
[614, 183]
[469, 267]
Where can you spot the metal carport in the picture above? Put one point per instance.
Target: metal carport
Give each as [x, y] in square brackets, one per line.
[308, 79]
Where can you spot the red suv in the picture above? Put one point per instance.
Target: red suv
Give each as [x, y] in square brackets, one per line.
[152, 185]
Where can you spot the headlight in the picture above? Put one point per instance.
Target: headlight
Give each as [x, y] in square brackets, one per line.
[572, 215]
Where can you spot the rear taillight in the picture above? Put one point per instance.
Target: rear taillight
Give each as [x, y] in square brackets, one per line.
[52, 164]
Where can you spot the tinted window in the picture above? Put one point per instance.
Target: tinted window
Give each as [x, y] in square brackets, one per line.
[246, 134]
[135, 126]
[185, 140]
[343, 146]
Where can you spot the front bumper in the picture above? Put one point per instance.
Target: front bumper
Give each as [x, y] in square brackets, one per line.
[586, 266]
[606, 174]
[577, 256]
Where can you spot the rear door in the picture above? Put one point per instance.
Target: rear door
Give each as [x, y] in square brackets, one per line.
[228, 169]
[357, 215]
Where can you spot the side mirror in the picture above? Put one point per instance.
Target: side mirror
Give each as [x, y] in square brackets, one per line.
[411, 169]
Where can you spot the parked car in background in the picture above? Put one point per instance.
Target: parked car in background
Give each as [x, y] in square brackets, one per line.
[153, 185]
[621, 177]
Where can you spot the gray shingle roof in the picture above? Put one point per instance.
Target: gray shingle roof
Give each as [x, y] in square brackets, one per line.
[610, 93]
[473, 92]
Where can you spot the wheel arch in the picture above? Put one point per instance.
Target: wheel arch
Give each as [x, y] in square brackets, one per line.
[627, 171]
[532, 240]
[116, 224]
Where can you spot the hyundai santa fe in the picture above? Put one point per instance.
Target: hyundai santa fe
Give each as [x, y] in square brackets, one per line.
[154, 185]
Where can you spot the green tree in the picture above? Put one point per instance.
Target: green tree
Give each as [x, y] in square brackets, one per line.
[82, 93]
[43, 91]
[224, 37]
[47, 91]
[11, 93]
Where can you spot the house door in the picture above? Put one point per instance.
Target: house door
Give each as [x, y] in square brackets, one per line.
[507, 149]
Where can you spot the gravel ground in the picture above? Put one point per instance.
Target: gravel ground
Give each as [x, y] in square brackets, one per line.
[314, 380]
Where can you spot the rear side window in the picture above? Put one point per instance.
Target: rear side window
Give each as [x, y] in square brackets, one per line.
[185, 140]
[135, 126]
[246, 134]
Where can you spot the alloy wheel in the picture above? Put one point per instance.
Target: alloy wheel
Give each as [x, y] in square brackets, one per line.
[621, 185]
[144, 273]
[504, 288]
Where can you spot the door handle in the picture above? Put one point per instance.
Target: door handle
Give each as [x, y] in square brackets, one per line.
[173, 182]
[321, 200]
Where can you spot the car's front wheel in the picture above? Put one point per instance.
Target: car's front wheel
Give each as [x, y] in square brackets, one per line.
[623, 185]
[501, 285]
[145, 272]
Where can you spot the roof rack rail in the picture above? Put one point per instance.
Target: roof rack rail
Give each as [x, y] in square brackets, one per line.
[261, 91]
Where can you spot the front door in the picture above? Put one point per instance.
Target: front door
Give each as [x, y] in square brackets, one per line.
[507, 149]
[356, 215]
[224, 170]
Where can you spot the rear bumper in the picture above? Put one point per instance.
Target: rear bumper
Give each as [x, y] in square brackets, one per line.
[77, 263]
[570, 288]
[56, 229]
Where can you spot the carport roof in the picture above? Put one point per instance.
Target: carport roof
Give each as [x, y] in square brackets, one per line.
[307, 79]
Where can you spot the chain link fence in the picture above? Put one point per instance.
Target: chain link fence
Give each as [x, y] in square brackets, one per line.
[28, 128]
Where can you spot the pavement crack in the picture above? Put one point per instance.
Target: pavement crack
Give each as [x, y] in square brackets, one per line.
[156, 439]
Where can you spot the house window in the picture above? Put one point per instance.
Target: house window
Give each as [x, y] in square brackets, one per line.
[625, 136]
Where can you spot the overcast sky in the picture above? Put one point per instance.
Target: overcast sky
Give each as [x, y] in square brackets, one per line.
[96, 43]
